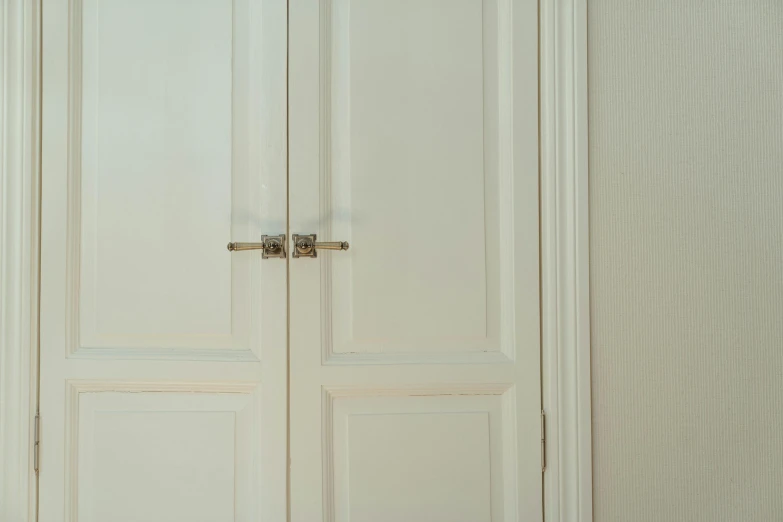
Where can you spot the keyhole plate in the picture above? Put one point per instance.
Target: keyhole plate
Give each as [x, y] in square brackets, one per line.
[274, 246]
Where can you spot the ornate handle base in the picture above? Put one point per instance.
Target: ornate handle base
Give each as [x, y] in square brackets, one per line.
[305, 245]
[271, 246]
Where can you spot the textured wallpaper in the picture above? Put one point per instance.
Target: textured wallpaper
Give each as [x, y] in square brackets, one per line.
[686, 224]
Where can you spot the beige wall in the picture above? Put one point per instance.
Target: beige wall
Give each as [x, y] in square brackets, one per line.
[686, 210]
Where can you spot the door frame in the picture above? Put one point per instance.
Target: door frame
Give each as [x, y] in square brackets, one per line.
[564, 258]
[19, 233]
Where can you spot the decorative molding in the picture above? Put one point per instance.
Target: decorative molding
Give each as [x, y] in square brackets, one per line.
[165, 354]
[415, 390]
[327, 445]
[565, 261]
[19, 232]
[334, 146]
[74, 388]
[359, 359]
[505, 391]
[82, 341]
[95, 386]
[72, 391]
[74, 184]
[510, 437]
[325, 176]
[505, 177]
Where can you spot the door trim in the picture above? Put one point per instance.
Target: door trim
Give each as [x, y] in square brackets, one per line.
[19, 233]
[565, 271]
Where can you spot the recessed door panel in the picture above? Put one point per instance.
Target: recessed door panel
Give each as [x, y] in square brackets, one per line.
[154, 455]
[148, 85]
[163, 168]
[402, 128]
[418, 454]
[416, 172]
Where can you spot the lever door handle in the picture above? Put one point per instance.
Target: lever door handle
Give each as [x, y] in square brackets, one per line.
[305, 245]
[271, 246]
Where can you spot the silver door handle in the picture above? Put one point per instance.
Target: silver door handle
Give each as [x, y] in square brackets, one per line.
[305, 245]
[271, 246]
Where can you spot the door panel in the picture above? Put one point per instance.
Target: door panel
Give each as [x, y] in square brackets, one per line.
[156, 183]
[143, 251]
[181, 459]
[415, 453]
[417, 169]
[415, 375]
[164, 138]
[386, 109]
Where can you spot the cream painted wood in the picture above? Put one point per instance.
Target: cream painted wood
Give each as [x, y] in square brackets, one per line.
[565, 275]
[563, 26]
[415, 372]
[163, 356]
[19, 185]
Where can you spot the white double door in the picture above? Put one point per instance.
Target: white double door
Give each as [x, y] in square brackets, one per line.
[395, 381]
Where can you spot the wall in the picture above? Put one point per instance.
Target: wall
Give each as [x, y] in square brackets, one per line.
[686, 210]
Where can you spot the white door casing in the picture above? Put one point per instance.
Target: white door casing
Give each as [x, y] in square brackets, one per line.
[415, 355]
[163, 356]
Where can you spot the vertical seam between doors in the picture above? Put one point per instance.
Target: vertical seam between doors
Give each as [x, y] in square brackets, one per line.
[38, 177]
[288, 261]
